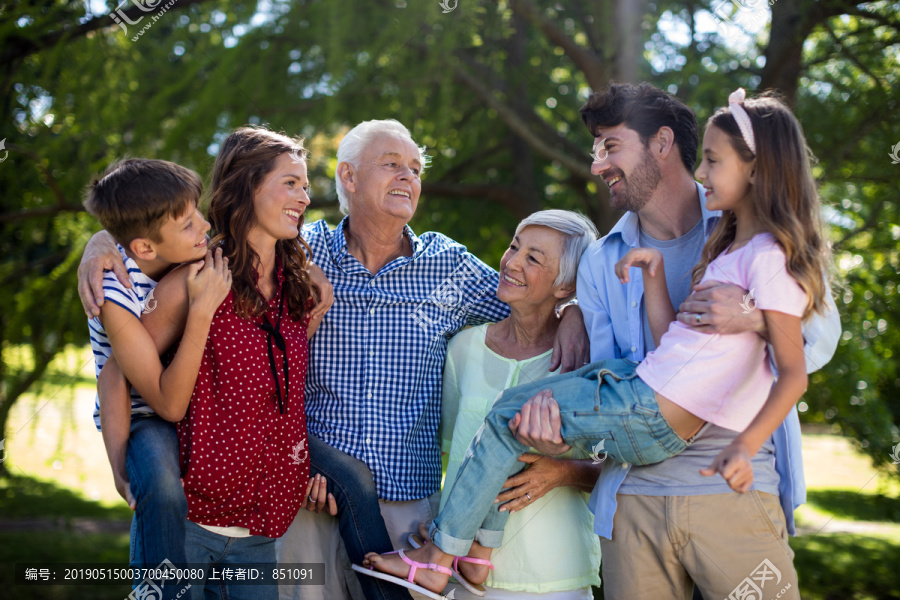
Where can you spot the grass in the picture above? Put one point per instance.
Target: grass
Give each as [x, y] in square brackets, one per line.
[847, 567]
[51, 536]
[850, 505]
[25, 497]
[46, 548]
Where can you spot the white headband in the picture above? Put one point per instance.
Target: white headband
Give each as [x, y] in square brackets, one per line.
[735, 102]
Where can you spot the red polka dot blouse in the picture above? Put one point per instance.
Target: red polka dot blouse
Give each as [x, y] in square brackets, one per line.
[244, 455]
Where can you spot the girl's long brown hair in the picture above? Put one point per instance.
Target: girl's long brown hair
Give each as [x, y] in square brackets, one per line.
[784, 196]
[246, 157]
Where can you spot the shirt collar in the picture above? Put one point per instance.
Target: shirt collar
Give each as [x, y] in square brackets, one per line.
[629, 230]
[339, 241]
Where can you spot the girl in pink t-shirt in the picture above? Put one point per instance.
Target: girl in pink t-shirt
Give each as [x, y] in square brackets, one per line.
[755, 170]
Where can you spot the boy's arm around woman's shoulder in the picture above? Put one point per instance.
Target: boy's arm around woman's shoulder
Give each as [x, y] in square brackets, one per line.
[186, 300]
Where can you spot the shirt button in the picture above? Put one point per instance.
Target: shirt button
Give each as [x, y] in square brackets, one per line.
[371, 353]
[634, 348]
[368, 440]
[372, 311]
[633, 304]
[625, 465]
[369, 395]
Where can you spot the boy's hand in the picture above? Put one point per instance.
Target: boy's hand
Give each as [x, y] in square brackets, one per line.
[208, 282]
[100, 254]
[733, 463]
[649, 259]
[124, 489]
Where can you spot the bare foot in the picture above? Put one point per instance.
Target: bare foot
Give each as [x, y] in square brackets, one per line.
[427, 578]
[423, 533]
[475, 572]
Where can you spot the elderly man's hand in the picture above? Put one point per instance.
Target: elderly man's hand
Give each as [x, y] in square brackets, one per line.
[722, 308]
[100, 254]
[571, 348]
[538, 425]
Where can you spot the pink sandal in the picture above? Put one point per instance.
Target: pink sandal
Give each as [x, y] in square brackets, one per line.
[409, 582]
[415, 540]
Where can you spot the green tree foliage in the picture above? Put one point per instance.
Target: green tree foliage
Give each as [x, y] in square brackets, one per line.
[492, 88]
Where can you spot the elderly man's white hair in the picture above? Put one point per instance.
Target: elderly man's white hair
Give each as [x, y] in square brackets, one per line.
[354, 144]
[579, 233]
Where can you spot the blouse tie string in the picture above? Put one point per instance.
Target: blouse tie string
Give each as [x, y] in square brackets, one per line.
[273, 332]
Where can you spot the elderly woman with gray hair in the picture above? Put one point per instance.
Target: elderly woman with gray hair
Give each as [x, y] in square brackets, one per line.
[551, 517]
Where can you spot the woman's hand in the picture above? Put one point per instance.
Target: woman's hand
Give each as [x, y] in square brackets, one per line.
[542, 475]
[316, 497]
[208, 283]
[649, 259]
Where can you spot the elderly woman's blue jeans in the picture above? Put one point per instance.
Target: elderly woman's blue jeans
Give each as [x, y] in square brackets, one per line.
[604, 401]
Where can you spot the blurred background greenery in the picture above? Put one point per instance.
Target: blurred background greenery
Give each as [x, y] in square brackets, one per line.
[492, 89]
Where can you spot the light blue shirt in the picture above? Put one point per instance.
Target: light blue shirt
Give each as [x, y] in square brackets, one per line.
[613, 317]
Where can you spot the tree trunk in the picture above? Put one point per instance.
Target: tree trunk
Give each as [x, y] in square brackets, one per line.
[792, 23]
[629, 14]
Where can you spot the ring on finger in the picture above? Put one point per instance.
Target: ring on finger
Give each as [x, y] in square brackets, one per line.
[527, 495]
[697, 318]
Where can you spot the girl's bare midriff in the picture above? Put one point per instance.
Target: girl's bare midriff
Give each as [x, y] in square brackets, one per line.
[685, 424]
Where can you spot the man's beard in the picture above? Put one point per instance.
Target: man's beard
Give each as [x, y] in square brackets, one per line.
[639, 186]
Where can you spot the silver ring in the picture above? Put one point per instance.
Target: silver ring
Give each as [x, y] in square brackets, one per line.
[698, 318]
[311, 499]
[527, 495]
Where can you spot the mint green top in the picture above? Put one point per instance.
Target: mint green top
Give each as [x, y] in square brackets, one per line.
[549, 546]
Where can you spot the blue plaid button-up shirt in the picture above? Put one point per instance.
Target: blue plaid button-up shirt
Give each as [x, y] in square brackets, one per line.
[373, 389]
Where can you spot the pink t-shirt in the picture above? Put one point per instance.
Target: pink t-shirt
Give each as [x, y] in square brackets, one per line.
[725, 379]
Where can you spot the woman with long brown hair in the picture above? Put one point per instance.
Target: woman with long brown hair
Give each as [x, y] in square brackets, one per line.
[243, 446]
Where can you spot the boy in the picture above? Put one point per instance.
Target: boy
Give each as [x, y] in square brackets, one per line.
[150, 208]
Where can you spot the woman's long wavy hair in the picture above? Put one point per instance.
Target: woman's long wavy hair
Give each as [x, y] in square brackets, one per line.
[784, 196]
[246, 157]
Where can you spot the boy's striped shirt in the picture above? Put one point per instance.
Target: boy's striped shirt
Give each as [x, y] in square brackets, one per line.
[135, 300]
